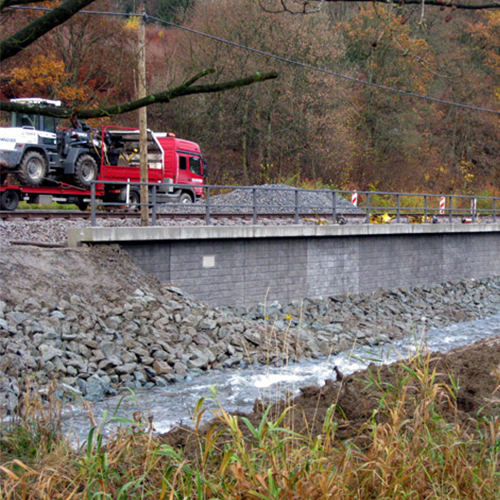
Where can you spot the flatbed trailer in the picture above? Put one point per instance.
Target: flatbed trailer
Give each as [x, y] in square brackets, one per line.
[11, 195]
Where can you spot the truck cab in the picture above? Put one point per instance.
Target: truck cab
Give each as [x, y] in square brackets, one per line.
[176, 164]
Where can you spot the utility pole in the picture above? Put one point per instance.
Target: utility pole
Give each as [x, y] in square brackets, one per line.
[143, 117]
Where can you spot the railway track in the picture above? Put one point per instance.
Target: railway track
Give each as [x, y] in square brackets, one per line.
[37, 215]
[318, 218]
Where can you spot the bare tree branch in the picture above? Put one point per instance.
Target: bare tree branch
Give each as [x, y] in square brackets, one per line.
[185, 89]
[39, 27]
[312, 6]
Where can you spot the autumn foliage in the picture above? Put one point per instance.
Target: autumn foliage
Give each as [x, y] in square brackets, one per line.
[309, 125]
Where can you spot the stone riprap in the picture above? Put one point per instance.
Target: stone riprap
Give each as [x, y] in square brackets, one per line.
[147, 335]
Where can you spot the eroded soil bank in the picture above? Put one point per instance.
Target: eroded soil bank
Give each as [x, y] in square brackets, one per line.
[462, 386]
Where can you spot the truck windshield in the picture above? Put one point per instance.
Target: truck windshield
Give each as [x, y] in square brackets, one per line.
[38, 122]
[195, 165]
[24, 120]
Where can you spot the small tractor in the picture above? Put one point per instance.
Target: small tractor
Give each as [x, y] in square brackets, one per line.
[36, 151]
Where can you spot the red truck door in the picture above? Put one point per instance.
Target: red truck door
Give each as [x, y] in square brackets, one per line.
[190, 169]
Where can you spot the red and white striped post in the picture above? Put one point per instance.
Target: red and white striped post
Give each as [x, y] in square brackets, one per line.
[442, 205]
[354, 198]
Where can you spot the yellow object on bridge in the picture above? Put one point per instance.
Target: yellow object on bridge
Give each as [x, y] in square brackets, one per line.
[381, 219]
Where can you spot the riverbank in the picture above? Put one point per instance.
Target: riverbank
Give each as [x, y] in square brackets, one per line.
[94, 322]
[423, 428]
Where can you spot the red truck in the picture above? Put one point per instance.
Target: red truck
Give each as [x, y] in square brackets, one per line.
[62, 168]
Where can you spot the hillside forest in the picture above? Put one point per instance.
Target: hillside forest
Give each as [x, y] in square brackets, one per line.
[310, 126]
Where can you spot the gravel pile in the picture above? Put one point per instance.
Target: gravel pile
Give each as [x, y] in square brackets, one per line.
[273, 199]
[278, 198]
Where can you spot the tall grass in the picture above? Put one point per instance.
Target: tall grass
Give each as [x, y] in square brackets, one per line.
[412, 446]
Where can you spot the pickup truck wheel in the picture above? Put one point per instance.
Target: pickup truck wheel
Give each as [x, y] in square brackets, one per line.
[86, 171]
[9, 200]
[32, 169]
[185, 198]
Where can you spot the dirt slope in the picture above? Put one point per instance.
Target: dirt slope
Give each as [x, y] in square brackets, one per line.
[43, 273]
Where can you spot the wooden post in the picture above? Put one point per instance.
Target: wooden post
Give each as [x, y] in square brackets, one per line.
[143, 118]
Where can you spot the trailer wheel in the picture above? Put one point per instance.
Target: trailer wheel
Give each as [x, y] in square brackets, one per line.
[185, 198]
[9, 200]
[86, 171]
[32, 169]
[82, 205]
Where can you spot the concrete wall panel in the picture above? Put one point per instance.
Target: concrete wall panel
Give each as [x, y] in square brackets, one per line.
[248, 265]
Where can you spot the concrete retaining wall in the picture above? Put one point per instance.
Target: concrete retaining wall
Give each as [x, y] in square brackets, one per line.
[244, 265]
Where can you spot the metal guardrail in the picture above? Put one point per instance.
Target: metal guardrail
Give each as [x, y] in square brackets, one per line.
[369, 204]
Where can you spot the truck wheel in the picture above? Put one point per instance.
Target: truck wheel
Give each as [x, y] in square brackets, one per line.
[9, 200]
[134, 198]
[86, 171]
[32, 169]
[185, 198]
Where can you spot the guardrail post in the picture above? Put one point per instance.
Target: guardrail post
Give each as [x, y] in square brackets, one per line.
[207, 207]
[425, 207]
[451, 209]
[296, 206]
[367, 208]
[494, 209]
[334, 211]
[153, 201]
[398, 208]
[92, 204]
[254, 198]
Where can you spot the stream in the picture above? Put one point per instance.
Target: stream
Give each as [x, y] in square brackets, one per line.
[237, 389]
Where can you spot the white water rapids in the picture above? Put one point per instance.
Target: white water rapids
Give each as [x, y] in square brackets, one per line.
[238, 389]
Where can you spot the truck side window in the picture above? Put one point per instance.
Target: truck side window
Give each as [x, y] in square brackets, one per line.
[49, 124]
[195, 165]
[182, 163]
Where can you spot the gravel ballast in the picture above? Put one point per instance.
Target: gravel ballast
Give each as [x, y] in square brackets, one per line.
[271, 199]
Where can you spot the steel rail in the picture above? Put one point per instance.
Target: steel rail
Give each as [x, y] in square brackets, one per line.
[31, 215]
[316, 218]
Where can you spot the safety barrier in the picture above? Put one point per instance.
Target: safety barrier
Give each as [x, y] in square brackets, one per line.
[371, 206]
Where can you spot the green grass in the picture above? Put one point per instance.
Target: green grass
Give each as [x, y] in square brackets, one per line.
[24, 205]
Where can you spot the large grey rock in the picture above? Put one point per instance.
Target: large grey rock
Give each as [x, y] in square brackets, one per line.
[95, 389]
[49, 352]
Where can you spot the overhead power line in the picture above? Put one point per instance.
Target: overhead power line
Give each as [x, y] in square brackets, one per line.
[282, 59]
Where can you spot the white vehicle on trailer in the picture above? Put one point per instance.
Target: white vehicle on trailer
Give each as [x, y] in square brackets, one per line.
[34, 150]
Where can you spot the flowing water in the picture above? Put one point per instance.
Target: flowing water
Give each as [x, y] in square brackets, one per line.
[239, 388]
